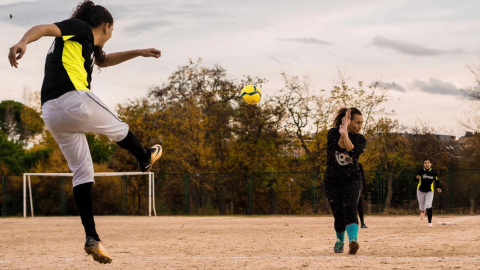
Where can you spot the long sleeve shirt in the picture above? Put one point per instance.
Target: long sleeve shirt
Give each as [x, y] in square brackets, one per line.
[343, 164]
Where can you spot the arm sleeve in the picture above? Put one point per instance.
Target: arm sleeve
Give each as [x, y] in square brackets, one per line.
[73, 27]
[437, 182]
[359, 147]
[332, 140]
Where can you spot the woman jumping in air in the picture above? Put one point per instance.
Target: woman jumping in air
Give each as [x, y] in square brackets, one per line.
[343, 179]
[425, 178]
[70, 109]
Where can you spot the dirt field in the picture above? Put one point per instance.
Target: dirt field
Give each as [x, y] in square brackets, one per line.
[278, 242]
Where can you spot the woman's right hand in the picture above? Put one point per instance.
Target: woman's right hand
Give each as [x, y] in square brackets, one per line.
[348, 118]
[343, 129]
[18, 49]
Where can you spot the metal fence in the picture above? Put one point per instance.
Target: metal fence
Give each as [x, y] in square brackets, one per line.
[285, 193]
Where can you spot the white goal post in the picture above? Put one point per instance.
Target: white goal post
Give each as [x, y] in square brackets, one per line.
[151, 187]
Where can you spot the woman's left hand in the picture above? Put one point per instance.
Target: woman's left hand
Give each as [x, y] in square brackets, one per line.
[342, 129]
[439, 190]
[151, 52]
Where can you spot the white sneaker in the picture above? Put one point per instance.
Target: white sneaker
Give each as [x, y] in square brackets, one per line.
[430, 225]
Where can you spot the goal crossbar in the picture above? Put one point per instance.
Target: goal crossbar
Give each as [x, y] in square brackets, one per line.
[151, 187]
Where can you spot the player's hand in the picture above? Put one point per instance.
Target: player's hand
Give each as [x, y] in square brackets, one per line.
[418, 176]
[439, 190]
[16, 52]
[342, 129]
[347, 117]
[151, 52]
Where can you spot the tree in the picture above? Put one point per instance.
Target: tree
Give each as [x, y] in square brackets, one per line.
[19, 122]
[388, 152]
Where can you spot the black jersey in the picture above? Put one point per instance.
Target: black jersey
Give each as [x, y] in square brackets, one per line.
[340, 162]
[69, 61]
[427, 177]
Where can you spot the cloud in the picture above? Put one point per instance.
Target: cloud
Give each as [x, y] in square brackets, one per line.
[411, 48]
[392, 86]
[309, 40]
[436, 86]
[147, 26]
[276, 60]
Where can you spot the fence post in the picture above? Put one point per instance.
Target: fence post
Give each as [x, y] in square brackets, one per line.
[123, 195]
[186, 182]
[315, 193]
[63, 196]
[380, 192]
[4, 195]
[472, 206]
[369, 198]
[249, 194]
[450, 192]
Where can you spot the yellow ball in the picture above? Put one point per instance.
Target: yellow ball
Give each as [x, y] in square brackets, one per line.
[251, 94]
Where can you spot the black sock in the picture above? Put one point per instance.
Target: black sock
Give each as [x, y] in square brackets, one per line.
[429, 214]
[132, 145]
[83, 197]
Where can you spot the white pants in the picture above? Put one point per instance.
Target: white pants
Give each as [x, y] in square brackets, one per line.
[425, 199]
[72, 115]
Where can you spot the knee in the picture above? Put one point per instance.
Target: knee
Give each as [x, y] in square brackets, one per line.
[339, 227]
[121, 133]
[82, 175]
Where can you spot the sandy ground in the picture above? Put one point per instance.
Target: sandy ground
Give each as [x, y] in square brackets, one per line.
[273, 242]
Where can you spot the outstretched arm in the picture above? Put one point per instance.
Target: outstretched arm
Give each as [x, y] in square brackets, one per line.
[113, 59]
[18, 50]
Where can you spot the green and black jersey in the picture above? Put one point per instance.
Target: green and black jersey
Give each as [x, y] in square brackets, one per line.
[427, 177]
[69, 62]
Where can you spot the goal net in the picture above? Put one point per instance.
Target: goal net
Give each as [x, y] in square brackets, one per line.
[28, 186]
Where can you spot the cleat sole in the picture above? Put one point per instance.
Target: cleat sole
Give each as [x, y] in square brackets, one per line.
[97, 256]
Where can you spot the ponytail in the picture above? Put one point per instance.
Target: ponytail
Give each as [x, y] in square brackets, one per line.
[95, 16]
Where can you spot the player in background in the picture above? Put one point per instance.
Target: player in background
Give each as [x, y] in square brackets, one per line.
[425, 178]
[360, 201]
[343, 179]
[70, 109]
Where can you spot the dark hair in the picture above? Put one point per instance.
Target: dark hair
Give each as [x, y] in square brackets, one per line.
[427, 159]
[94, 15]
[341, 113]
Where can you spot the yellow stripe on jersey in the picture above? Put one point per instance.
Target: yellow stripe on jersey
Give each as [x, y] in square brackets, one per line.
[431, 187]
[419, 182]
[65, 38]
[73, 62]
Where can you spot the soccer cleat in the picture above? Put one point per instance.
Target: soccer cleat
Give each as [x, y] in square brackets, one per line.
[338, 248]
[364, 226]
[353, 246]
[430, 225]
[156, 154]
[422, 214]
[96, 249]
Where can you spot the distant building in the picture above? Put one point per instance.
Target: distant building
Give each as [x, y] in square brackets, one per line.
[446, 138]
[467, 140]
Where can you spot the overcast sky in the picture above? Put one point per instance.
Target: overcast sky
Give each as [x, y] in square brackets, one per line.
[424, 47]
